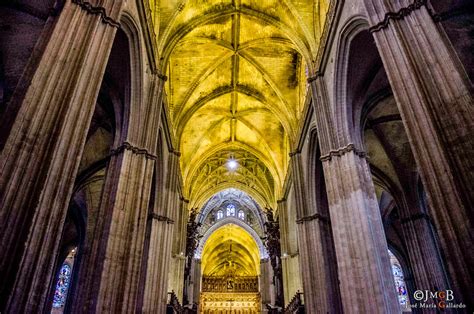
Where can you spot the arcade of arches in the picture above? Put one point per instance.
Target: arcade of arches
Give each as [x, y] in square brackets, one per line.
[236, 156]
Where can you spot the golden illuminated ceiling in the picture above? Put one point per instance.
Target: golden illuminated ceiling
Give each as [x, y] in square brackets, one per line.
[230, 250]
[236, 87]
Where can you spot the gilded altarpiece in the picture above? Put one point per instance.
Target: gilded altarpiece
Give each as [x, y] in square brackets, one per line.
[230, 295]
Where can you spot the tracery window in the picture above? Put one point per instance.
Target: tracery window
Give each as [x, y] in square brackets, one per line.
[241, 214]
[63, 283]
[399, 283]
[230, 210]
[220, 214]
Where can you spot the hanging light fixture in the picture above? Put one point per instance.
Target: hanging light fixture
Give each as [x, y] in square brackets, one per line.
[232, 164]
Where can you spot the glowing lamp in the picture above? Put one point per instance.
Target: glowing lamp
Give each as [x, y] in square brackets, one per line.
[232, 165]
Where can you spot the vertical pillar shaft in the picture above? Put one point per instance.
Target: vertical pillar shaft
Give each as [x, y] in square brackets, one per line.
[125, 203]
[321, 293]
[122, 268]
[159, 257]
[365, 278]
[428, 271]
[176, 279]
[42, 153]
[434, 97]
[196, 281]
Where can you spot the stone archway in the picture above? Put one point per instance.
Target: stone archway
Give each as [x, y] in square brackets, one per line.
[230, 271]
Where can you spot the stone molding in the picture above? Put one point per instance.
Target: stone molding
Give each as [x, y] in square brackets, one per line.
[282, 200]
[161, 218]
[133, 149]
[294, 153]
[399, 15]
[87, 6]
[175, 152]
[311, 218]
[343, 150]
[416, 217]
[161, 76]
[316, 75]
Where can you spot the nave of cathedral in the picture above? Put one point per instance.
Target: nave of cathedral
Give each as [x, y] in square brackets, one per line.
[236, 156]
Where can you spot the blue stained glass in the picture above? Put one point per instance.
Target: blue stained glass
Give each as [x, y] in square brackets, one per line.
[399, 282]
[230, 210]
[62, 286]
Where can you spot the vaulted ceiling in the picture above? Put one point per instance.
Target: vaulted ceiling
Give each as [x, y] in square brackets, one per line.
[236, 88]
[230, 250]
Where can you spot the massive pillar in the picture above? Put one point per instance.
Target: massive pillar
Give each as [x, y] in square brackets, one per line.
[179, 252]
[434, 97]
[195, 282]
[422, 245]
[161, 240]
[121, 273]
[272, 243]
[192, 241]
[317, 257]
[265, 281]
[111, 266]
[42, 153]
[365, 278]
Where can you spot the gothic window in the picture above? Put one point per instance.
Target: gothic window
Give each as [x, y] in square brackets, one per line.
[220, 214]
[399, 282]
[241, 214]
[230, 210]
[64, 282]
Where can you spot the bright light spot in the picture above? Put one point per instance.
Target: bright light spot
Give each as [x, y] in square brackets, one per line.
[232, 165]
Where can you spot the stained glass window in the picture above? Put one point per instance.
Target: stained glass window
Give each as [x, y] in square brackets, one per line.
[399, 283]
[220, 214]
[241, 214]
[230, 210]
[62, 286]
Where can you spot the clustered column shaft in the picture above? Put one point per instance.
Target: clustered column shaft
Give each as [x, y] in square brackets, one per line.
[41, 156]
[434, 97]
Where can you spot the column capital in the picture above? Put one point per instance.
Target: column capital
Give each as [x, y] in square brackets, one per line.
[97, 10]
[314, 77]
[134, 149]
[315, 216]
[399, 15]
[294, 153]
[343, 150]
[175, 152]
[160, 75]
[281, 200]
[416, 217]
[161, 218]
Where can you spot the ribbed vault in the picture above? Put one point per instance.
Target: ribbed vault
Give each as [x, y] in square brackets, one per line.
[230, 250]
[236, 88]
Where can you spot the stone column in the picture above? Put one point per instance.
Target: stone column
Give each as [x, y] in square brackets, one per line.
[273, 246]
[179, 252]
[121, 273]
[315, 245]
[365, 278]
[434, 97]
[192, 242]
[159, 257]
[195, 282]
[126, 192]
[425, 260]
[265, 283]
[42, 153]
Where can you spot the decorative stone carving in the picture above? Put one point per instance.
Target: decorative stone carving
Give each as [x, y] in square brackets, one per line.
[272, 243]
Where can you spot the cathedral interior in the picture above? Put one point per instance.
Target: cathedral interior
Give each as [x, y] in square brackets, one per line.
[236, 156]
